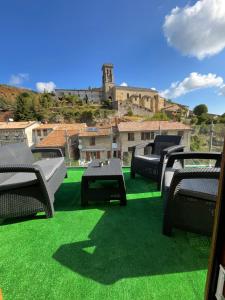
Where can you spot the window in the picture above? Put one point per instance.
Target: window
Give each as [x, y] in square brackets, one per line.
[130, 149]
[45, 132]
[92, 141]
[38, 132]
[114, 139]
[139, 96]
[130, 136]
[146, 136]
[128, 96]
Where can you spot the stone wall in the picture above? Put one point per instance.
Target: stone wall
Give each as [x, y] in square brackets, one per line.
[126, 106]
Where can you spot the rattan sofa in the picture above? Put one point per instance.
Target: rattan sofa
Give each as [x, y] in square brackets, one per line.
[151, 162]
[189, 194]
[28, 186]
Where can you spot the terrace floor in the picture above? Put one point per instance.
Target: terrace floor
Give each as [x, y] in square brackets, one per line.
[102, 252]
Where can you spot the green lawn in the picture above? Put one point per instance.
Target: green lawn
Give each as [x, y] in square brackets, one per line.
[102, 252]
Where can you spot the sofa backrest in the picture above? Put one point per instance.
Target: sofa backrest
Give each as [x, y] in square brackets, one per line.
[164, 141]
[18, 153]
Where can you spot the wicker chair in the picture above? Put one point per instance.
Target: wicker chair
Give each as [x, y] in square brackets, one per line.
[189, 194]
[151, 164]
[28, 186]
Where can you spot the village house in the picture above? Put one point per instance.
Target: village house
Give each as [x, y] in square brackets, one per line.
[95, 142]
[134, 133]
[104, 142]
[63, 136]
[17, 132]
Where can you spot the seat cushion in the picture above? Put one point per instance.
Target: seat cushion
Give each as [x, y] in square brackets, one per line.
[206, 189]
[18, 180]
[49, 166]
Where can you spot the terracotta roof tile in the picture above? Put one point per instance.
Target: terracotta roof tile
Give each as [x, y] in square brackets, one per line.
[57, 138]
[16, 125]
[95, 131]
[73, 126]
[151, 125]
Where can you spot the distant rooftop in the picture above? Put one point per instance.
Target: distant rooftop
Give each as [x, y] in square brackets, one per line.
[120, 87]
[95, 131]
[151, 126]
[63, 126]
[57, 138]
[16, 125]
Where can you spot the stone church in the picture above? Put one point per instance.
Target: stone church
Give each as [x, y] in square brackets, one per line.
[123, 98]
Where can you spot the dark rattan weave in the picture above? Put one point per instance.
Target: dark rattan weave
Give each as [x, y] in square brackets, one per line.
[28, 188]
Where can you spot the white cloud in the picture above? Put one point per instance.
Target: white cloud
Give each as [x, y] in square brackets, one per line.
[45, 86]
[193, 82]
[222, 90]
[152, 88]
[18, 79]
[197, 30]
[123, 84]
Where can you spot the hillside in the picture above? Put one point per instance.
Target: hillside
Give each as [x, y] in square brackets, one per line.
[9, 93]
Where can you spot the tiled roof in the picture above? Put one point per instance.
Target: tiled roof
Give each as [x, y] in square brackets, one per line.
[73, 126]
[95, 132]
[151, 126]
[135, 88]
[57, 138]
[16, 125]
[46, 126]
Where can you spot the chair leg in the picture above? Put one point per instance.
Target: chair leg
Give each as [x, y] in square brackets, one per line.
[158, 185]
[167, 228]
[132, 174]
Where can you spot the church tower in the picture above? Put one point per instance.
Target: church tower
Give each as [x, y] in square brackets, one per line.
[107, 81]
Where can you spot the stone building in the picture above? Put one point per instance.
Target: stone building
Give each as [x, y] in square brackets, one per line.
[134, 133]
[123, 98]
[17, 132]
[95, 143]
[63, 136]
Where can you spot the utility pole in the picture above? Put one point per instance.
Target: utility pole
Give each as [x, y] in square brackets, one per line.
[68, 146]
[211, 137]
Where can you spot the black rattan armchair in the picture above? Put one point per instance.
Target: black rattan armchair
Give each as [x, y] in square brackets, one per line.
[189, 194]
[151, 163]
[28, 186]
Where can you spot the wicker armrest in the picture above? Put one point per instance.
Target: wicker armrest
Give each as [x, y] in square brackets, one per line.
[173, 149]
[57, 151]
[19, 168]
[28, 168]
[193, 155]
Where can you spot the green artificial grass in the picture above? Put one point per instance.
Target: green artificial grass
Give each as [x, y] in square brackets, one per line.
[104, 251]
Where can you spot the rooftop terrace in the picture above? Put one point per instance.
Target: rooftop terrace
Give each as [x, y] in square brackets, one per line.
[104, 251]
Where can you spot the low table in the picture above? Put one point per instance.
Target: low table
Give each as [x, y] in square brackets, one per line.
[112, 172]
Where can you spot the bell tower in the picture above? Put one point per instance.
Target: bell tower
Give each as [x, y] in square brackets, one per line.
[107, 80]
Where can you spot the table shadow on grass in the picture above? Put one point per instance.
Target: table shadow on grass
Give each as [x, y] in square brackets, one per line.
[127, 242]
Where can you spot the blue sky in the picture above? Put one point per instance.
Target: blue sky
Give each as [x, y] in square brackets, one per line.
[66, 42]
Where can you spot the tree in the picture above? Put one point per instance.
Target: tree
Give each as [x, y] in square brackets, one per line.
[160, 116]
[200, 109]
[46, 100]
[24, 107]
